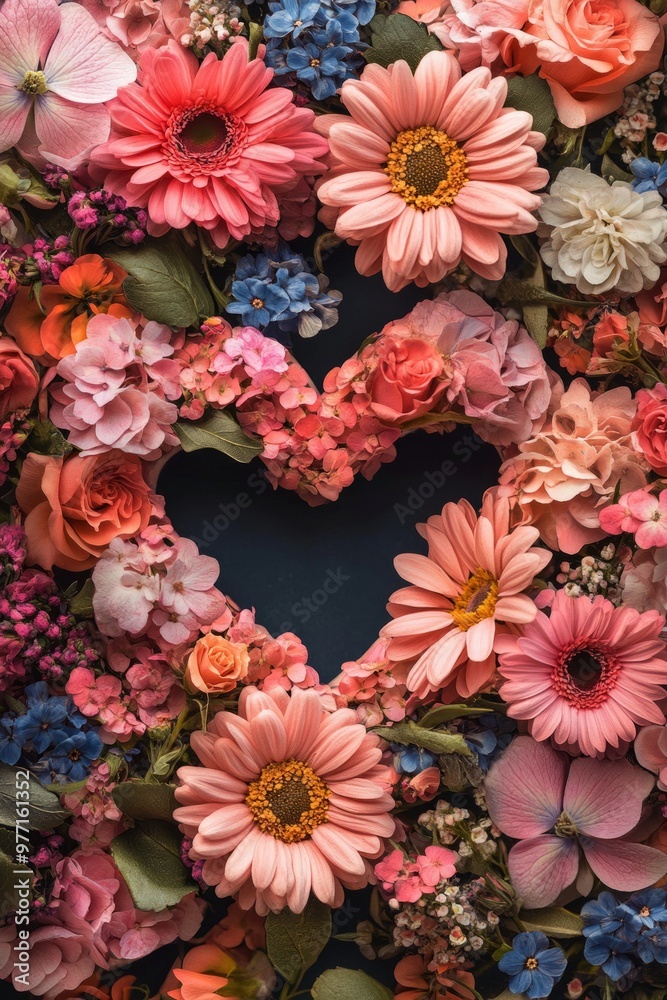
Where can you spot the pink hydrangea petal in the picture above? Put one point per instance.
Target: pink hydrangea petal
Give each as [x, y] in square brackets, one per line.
[66, 129]
[524, 788]
[604, 798]
[83, 65]
[27, 31]
[650, 750]
[14, 110]
[542, 867]
[622, 865]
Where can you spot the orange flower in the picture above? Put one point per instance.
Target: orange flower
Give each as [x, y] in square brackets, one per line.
[216, 665]
[205, 970]
[48, 327]
[76, 506]
[450, 981]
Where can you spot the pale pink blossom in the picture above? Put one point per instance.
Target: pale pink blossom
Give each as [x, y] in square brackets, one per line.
[640, 513]
[58, 70]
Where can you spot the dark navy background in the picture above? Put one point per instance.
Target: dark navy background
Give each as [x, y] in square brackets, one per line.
[325, 572]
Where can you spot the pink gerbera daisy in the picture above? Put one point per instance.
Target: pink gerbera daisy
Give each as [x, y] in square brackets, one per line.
[207, 142]
[428, 169]
[587, 675]
[468, 587]
[290, 799]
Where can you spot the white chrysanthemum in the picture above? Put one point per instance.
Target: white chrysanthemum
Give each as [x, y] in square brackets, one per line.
[603, 236]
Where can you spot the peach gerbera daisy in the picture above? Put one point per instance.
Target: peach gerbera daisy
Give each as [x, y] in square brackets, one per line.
[429, 169]
[463, 592]
[290, 799]
[587, 675]
[207, 142]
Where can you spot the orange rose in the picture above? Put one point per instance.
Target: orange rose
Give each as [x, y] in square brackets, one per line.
[216, 664]
[76, 506]
[588, 51]
[19, 380]
[91, 285]
[408, 379]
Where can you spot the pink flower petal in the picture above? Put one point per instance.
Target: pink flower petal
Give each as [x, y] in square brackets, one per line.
[14, 110]
[542, 867]
[622, 865]
[83, 65]
[27, 31]
[66, 129]
[524, 788]
[594, 790]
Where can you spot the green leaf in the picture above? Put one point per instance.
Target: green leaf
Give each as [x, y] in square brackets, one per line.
[19, 789]
[324, 244]
[141, 800]
[410, 734]
[163, 282]
[536, 321]
[532, 94]
[445, 713]
[81, 605]
[218, 430]
[254, 38]
[527, 293]
[149, 859]
[294, 941]
[46, 439]
[553, 920]
[397, 36]
[611, 171]
[349, 984]
[164, 765]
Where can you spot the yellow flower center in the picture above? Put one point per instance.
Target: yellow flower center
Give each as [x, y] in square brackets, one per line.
[477, 600]
[532, 963]
[34, 82]
[426, 167]
[288, 800]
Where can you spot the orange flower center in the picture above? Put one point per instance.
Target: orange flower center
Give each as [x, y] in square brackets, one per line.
[288, 800]
[427, 168]
[477, 600]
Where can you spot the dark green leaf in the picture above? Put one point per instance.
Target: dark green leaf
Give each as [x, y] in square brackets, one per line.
[532, 94]
[324, 244]
[149, 859]
[553, 920]
[527, 293]
[349, 984]
[611, 171]
[164, 283]
[536, 321]
[218, 430]
[254, 38]
[411, 734]
[445, 713]
[397, 36]
[294, 941]
[46, 439]
[141, 800]
[81, 605]
[18, 788]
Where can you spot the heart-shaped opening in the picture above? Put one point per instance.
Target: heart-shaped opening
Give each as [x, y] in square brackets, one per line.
[325, 572]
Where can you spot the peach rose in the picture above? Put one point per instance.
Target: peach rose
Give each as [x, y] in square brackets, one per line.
[650, 427]
[76, 506]
[19, 380]
[588, 51]
[610, 334]
[216, 664]
[407, 381]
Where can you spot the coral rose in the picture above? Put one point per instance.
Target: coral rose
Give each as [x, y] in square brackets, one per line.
[588, 52]
[19, 380]
[650, 426]
[407, 381]
[216, 664]
[76, 506]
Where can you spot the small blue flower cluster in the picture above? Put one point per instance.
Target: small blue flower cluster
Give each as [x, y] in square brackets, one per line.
[317, 41]
[51, 736]
[617, 934]
[534, 967]
[649, 176]
[278, 288]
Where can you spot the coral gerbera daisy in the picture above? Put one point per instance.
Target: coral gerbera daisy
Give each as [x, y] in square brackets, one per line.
[465, 590]
[207, 143]
[429, 169]
[290, 799]
[587, 675]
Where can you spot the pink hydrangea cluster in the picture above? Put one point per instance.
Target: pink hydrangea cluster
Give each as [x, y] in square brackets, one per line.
[45, 261]
[96, 817]
[13, 432]
[375, 686]
[140, 24]
[116, 389]
[642, 514]
[157, 588]
[90, 920]
[406, 879]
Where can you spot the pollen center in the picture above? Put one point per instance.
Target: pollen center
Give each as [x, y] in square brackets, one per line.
[476, 601]
[427, 168]
[34, 82]
[288, 801]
